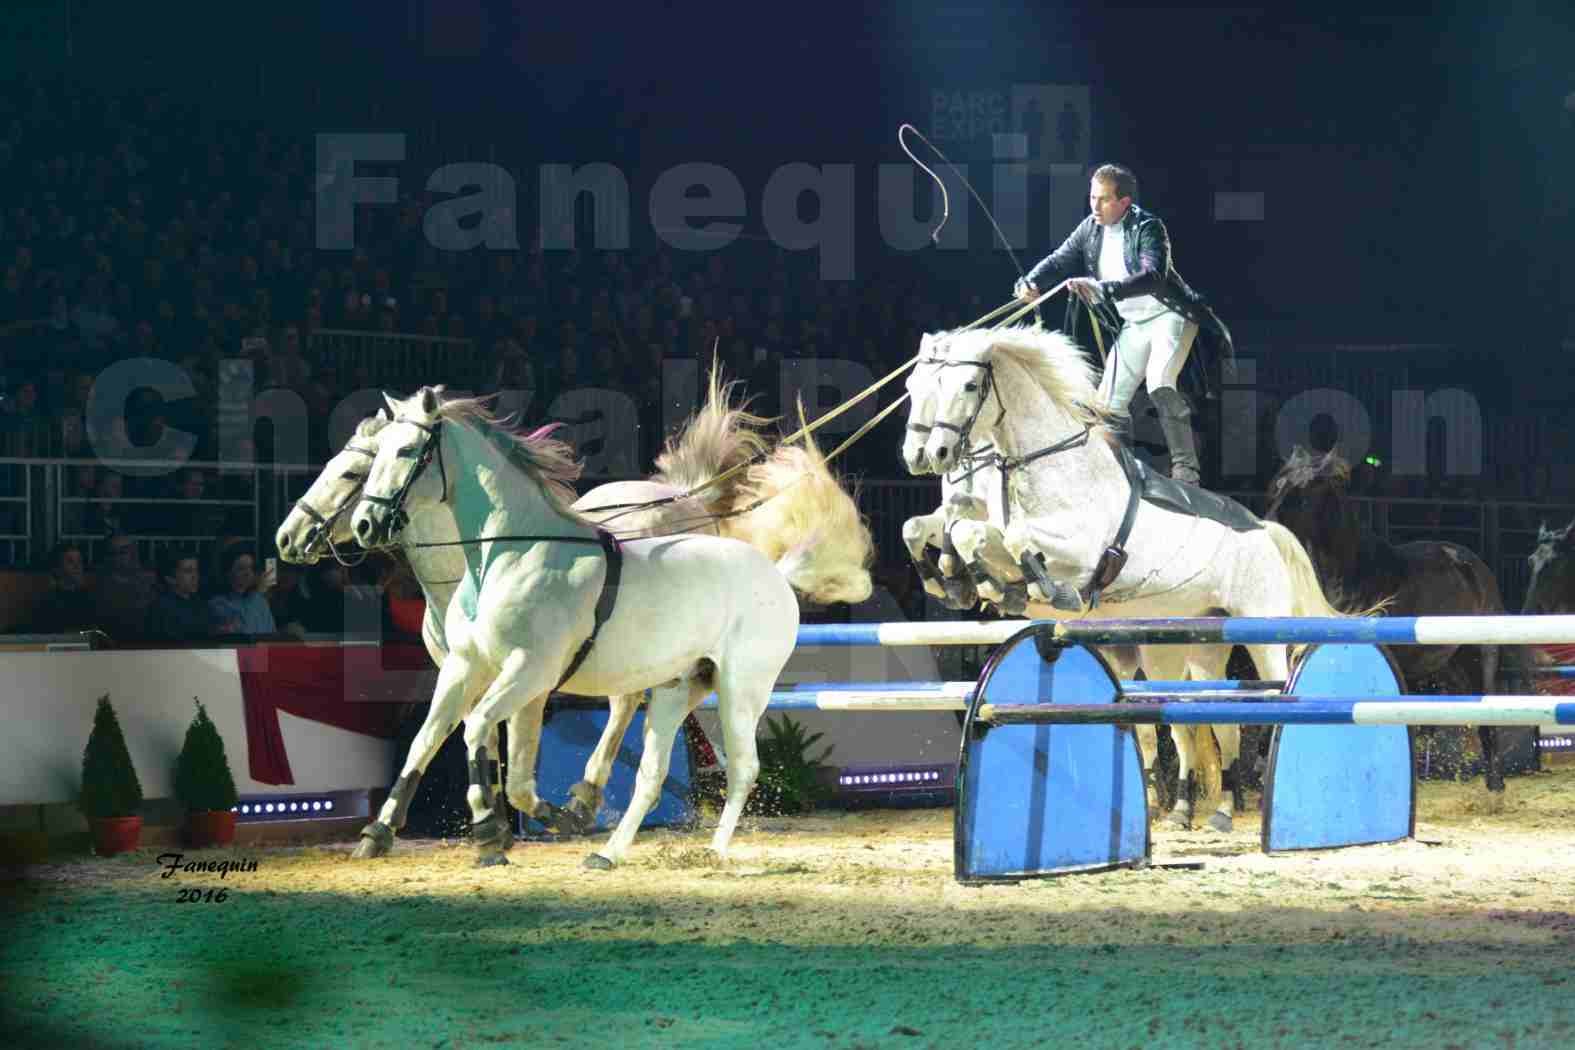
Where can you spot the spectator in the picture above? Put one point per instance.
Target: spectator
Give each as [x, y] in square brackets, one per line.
[69, 605]
[105, 513]
[177, 614]
[239, 607]
[325, 602]
[125, 590]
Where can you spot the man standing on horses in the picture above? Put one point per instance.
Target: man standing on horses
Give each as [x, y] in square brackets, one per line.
[1160, 314]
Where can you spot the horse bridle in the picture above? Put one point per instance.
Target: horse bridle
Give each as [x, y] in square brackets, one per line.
[423, 455]
[985, 386]
[322, 527]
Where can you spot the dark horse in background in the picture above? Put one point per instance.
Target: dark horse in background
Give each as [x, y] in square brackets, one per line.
[1552, 591]
[1358, 569]
[1552, 586]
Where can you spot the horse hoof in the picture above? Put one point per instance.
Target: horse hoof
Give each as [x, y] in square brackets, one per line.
[1221, 822]
[1495, 784]
[577, 817]
[377, 840]
[1179, 820]
[548, 816]
[491, 860]
[597, 862]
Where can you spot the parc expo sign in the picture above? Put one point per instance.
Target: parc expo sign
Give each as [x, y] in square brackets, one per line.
[966, 115]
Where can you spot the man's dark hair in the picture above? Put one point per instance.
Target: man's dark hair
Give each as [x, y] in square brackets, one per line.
[1121, 178]
[170, 559]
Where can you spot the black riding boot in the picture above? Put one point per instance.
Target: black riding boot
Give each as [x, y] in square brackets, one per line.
[1175, 419]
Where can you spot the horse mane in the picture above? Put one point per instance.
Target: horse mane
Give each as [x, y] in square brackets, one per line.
[1303, 468]
[717, 438]
[1055, 363]
[371, 425]
[547, 461]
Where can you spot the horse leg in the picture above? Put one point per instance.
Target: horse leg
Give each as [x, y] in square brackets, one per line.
[1148, 747]
[524, 745]
[973, 542]
[1210, 663]
[1271, 662]
[519, 692]
[664, 713]
[449, 701]
[1186, 787]
[1488, 735]
[585, 798]
[1232, 800]
[744, 697]
[918, 535]
[1169, 663]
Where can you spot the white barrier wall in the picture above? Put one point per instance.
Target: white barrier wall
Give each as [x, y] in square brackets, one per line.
[47, 701]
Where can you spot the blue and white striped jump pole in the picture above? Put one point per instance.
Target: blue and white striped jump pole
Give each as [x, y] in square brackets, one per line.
[1276, 630]
[1323, 710]
[955, 696]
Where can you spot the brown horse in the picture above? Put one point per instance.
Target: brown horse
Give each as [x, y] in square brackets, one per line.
[1360, 569]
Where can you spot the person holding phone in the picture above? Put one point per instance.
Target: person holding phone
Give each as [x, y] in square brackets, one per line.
[239, 607]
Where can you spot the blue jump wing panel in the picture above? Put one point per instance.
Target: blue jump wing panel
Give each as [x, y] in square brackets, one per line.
[567, 740]
[1036, 800]
[1330, 786]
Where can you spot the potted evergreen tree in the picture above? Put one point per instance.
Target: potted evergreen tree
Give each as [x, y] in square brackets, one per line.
[111, 792]
[204, 784]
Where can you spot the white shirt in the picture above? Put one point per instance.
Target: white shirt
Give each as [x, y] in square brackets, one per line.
[1113, 267]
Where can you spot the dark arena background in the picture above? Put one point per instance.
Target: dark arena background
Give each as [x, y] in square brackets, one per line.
[230, 233]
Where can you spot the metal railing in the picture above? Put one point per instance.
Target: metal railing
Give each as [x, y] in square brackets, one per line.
[37, 511]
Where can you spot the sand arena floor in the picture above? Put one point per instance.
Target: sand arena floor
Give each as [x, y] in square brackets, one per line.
[840, 931]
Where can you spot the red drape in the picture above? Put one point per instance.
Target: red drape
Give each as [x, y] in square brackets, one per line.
[355, 687]
[1564, 655]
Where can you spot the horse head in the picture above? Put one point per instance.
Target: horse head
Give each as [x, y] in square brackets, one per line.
[1551, 588]
[320, 519]
[1309, 497]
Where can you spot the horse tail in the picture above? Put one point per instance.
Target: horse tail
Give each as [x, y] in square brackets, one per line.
[1308, 598]
[717, 438]
[793, 508]
[797, 566]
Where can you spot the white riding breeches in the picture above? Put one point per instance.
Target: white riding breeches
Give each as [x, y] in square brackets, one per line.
[1155, 350]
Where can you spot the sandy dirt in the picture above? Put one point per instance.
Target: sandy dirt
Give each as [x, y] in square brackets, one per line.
[843, 930]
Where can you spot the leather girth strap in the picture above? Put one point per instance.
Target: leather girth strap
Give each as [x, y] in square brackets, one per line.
[604, 603]
[1114, 558]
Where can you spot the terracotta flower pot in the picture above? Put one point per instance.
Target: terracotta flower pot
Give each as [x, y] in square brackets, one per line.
[112, 835]
[210, 827]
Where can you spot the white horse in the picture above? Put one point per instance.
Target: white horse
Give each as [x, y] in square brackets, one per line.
[550, 601]
[1031, 393]
[785, 502]
[971, 490]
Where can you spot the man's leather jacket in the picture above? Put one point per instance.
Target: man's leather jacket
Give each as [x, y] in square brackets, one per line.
[1146, 250]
